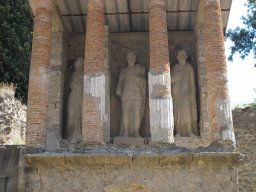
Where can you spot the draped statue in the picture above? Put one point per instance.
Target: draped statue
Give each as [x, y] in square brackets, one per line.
[184, 97]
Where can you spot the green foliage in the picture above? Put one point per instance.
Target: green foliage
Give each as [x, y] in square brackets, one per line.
[244, 39]
[15, 44]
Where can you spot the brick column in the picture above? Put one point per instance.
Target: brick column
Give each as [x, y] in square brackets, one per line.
[216, 71]
[95, 87]
[160, 100]
[37, 115]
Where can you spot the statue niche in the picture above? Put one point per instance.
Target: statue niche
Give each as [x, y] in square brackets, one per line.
[132, 90]
[74, 104]
[184, 97]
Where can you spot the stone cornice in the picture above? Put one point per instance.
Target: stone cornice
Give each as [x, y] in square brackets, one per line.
[132, 160]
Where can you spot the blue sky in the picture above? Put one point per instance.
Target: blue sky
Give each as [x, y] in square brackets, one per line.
[241, 73]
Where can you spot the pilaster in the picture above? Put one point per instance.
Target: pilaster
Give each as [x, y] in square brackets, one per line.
[219, 109]
[160, 100]
[95, 78]
[57, 82]
[37, 115]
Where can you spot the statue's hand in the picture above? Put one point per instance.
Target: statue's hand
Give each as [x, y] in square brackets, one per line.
[118, 92]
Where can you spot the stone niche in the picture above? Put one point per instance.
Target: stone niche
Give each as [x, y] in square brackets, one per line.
[75, 50]
[185, 41]
[119, 45]
[123, 43]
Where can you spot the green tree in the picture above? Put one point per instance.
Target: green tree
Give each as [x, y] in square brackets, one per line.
[244, 38]
[15, 44]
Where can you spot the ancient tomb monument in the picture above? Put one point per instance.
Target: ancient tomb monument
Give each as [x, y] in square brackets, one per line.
[112, 81]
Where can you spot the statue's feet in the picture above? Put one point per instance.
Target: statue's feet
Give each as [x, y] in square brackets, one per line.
[177, 135]
[191, 135]
[137, 135]
[125, 134]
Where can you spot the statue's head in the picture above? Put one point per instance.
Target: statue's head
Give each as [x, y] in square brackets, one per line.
[79, 64]
[182, 56]
[131, 58]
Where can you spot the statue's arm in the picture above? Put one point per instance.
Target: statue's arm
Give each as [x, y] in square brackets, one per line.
[119, 84]
[192, 83]
[174, 76]
[175, 79]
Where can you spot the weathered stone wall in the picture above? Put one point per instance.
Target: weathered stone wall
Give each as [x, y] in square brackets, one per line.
[75, 46]
[10, 168]
[245, 131]
[127, 172]
[56, 89]
[136, 169]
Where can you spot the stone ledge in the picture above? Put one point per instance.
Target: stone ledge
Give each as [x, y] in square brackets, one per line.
[133, 141]
[126, 160]
[191, 142]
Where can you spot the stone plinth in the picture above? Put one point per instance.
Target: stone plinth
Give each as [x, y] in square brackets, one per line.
[191, 142]
[154, 169]
[129, 140]
[132, 157]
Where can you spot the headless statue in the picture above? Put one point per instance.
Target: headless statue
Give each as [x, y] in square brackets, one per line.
[74, 108]
[184, 97]
[132, 88]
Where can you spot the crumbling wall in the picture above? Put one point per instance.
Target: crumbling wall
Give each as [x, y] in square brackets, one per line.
[12, 117]
[245, 131]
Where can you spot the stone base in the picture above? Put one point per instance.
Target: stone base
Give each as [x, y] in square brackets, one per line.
[129, 140]
[113, 169]
[191, 142]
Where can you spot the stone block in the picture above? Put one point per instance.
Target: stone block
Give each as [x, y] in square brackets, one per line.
[129, 140]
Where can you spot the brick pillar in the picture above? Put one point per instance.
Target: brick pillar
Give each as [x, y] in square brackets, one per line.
[94, 104]
[160, 100]
[216, 71]
[37, 115]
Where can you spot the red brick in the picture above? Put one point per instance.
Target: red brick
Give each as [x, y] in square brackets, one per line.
[216, 67]
[92, 124]
[94, 54]
[37, 115]
[158, 37]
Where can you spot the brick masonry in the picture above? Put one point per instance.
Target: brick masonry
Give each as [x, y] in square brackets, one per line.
[94, 53]
[219, 110]
[94, 105]
[158, 37]
[37, 118]
[125, 169]
[160, 100]
[96, 74]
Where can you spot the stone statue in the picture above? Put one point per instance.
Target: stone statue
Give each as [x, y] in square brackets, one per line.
[74, 107]
[184, 97]
[132, 90]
